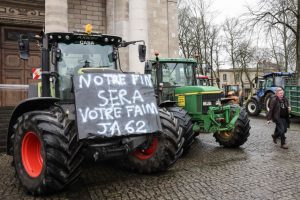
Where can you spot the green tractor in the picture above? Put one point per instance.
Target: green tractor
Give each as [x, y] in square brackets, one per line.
[199, 109]
[86, 107]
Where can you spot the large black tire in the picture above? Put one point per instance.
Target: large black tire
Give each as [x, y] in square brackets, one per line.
[252, 107]
[267, 101]
[46, 151]
[239, 135]
[164, 150]
[185, 121]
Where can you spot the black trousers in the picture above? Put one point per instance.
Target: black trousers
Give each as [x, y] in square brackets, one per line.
[280, 130]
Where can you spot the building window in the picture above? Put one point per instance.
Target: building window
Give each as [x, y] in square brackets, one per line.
[224, 77]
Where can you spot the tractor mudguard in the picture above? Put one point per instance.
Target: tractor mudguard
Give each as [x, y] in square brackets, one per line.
[167, 104]
[26, 106]
[255, 97]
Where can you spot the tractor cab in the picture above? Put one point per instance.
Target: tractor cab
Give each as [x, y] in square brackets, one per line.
[171, 73]
[271, 81]
[65, 55]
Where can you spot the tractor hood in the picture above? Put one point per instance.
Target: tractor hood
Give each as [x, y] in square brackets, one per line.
[190, 90]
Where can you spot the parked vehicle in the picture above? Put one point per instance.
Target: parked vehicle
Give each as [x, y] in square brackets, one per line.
[86, 106]
[267, 87]
[197, 107]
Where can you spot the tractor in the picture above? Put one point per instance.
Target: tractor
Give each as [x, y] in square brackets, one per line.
[198, 108]
[202, 80]
[78, 110]
[266, 89]
[233, 93]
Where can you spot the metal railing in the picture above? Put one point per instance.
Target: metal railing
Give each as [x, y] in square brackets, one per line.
[14, 87]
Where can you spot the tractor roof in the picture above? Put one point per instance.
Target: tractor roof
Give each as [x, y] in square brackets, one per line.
[198, 89]
[174, 60]
[81, 37]
[289, 74]
[202, 77]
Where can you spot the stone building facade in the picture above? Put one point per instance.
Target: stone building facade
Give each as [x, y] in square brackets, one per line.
[153, 21]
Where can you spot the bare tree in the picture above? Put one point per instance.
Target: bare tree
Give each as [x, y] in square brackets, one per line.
[282, 15]
[245, 55]
[185, 35]
[233, 34]
[197, 34]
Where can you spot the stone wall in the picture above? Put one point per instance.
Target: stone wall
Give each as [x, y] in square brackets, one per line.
[82, 12]
[22, 12]
[161, 24]
[163, 28]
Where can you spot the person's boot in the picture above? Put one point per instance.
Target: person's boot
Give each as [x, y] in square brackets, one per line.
[274, 139]
[284, 146]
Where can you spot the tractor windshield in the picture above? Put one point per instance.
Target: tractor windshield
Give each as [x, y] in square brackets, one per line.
[177, 74]
[76, 56]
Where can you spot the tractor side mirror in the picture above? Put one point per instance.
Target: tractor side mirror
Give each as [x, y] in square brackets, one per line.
[142, 52]
[148, 67]
[23, 47]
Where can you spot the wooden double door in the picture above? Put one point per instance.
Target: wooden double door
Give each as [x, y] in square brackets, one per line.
[14, 72]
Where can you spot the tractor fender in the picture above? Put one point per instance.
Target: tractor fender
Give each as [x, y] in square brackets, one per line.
[270, 89]
[256, 98]
[268, 92]
[167, 104]
[38, 103]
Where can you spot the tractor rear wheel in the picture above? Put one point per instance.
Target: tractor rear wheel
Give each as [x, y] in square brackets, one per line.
[185, 121]
[46, 151]
[240, 133]
[252, 107]
[162, 151]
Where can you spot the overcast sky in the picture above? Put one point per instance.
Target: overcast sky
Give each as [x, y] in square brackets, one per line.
[230, 8]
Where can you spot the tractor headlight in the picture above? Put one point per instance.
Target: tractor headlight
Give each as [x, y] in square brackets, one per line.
[207, 103]
[218, 102]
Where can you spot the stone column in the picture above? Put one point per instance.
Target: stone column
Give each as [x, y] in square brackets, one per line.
[173, 47]
[117, 24]
[110, 16]
[56, 16]
[138, 30]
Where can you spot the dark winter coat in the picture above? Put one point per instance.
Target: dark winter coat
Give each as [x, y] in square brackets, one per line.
[274, 113]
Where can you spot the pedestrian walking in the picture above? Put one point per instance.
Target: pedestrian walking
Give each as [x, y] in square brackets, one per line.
[279, 114]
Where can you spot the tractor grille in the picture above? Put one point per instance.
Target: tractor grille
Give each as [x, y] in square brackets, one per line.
[213, 98]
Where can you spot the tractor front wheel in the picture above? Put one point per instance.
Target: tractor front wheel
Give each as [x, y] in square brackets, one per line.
[185, 121]
[239, 134]
[46, 151]
[252, 107]
[267, 101]
[161, 151]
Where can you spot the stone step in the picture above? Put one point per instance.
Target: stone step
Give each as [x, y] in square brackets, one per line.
[3, 125]
[6, 108]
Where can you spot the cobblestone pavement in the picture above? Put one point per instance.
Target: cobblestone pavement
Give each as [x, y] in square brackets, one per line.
[257, 170]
